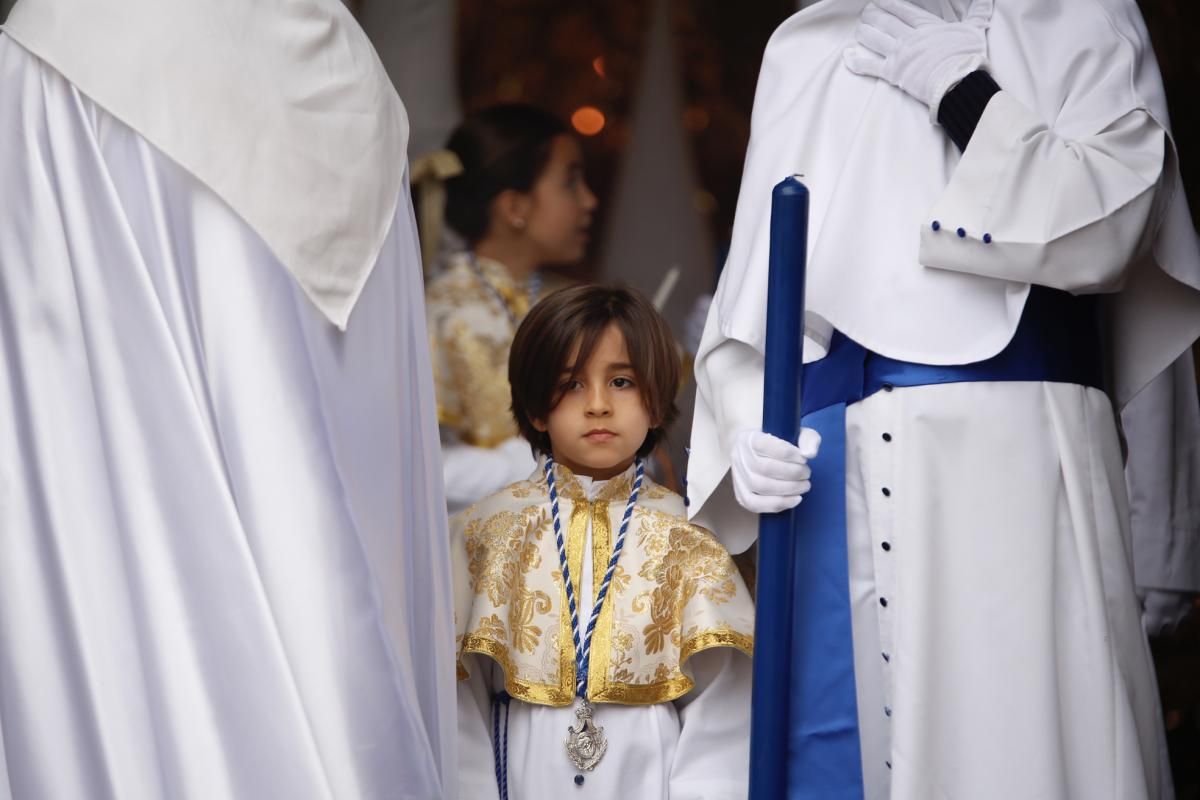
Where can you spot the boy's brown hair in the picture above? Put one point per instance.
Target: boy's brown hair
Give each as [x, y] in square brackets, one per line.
[578, 316]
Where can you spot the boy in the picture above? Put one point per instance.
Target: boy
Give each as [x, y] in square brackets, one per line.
[599, 656]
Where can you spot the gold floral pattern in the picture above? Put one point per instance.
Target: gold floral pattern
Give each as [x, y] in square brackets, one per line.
[620, 580]
[692, 562]
[525, 634]
[674, 593]
[491, 626]
[470, 335]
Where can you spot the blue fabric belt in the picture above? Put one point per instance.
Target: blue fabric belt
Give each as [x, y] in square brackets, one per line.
[1057, 341]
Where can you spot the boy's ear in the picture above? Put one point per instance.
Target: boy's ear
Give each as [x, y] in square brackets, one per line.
[539, 425]
[513, 208]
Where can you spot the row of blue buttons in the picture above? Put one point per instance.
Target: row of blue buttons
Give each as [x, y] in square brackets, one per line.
[962, 233]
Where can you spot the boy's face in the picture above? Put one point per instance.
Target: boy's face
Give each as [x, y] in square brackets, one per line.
[601, 420]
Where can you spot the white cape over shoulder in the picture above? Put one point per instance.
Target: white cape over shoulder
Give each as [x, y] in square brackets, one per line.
[223, 553]
[281, 107]
[1072, 170]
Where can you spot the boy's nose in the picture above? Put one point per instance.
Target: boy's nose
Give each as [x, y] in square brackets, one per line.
[598, 404]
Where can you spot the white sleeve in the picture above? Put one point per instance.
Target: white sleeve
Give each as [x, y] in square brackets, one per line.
[476, 770]
[1162, 433]
[1065, 213]
[712, 759]
[472, 473]
[729, 387]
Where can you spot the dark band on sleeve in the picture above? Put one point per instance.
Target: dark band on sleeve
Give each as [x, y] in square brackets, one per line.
[963, 105]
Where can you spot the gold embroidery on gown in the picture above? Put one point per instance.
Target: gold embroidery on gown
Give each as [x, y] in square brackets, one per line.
[674, 593]
[470, 335]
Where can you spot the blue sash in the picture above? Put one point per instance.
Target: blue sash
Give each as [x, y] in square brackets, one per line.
[1057, 341]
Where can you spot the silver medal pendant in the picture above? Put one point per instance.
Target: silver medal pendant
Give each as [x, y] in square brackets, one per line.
[585, 744]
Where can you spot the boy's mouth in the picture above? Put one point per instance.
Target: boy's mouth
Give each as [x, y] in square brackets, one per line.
[599, 435]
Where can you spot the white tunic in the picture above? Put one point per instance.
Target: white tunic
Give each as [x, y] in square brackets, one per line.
[221, 523]
[1010, 653]
[694, 748]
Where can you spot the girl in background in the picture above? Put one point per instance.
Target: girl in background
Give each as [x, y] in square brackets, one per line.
[520, 203]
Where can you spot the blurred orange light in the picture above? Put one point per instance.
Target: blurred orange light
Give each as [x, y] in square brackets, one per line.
[598, 66]
[588, 120]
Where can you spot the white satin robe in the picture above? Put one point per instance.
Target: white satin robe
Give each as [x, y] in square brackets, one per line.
[223, 554]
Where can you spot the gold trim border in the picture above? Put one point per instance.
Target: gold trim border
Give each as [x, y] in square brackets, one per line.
[602, 690]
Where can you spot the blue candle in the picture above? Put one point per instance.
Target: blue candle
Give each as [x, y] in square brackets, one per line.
[781, 417]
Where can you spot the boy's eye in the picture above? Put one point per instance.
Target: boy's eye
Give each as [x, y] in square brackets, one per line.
[569, 385]
[622, 382]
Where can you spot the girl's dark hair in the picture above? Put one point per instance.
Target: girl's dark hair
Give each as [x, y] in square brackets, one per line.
[500, 147]
[579, 315]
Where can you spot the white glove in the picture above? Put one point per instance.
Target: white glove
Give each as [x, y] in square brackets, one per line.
[1164, 609]
[770, 474]
[693, 327]
[917, 51]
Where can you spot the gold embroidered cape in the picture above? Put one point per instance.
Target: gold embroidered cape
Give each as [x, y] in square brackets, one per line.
[675, 591]
[470, 334]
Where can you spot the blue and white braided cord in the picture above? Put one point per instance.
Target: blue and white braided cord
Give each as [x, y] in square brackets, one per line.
[562, 557]
[500, 741]
[582, 652]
